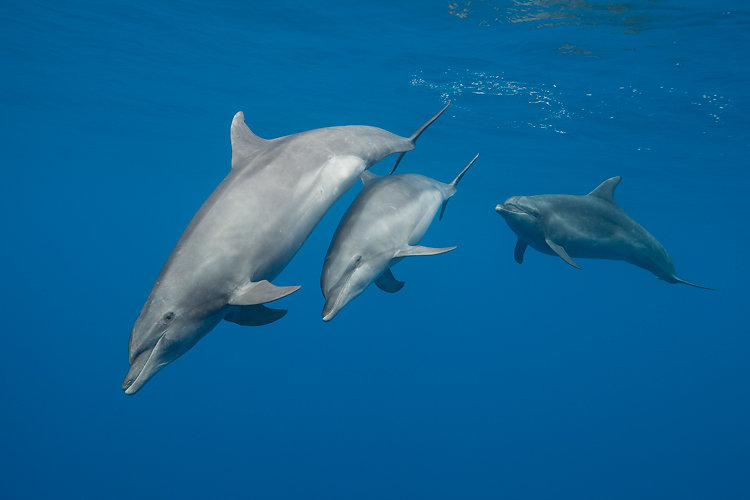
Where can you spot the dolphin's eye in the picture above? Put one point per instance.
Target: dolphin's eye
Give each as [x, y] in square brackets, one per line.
[169, 316]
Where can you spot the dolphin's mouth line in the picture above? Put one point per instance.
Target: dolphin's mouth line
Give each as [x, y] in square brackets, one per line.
[510, 208]
[148, 360]
[334, 307]
[342, 288]
[339, 297]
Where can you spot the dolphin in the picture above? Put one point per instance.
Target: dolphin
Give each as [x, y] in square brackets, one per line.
[246, 232]
[590, 226]
[382, 226]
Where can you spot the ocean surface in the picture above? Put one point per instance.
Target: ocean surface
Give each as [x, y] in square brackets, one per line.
[482, 378]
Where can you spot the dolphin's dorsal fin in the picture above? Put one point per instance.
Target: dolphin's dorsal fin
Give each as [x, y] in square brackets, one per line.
[561, 252]
[388, 282]
[415, 135]
[260, 292]
[606, 190]
[368, 177]
[415, 250]
[256, 315]
[245, 144]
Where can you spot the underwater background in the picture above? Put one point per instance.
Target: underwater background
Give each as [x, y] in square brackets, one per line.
[482, 378]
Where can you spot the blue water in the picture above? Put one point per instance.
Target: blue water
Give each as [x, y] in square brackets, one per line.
[482, 378]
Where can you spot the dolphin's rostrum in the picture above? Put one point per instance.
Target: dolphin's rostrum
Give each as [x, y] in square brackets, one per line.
[590, 226]
[382, 226]
[246, 232]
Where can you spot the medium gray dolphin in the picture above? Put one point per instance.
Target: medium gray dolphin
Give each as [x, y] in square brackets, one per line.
[382, 226]
[246, 232]
[590, 226]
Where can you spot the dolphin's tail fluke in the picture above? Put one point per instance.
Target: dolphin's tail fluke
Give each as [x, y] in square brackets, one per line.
[680, 280]
[455, 182]
[421, 129]
[415, 135]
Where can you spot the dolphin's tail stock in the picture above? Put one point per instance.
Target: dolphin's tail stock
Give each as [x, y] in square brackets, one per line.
[684, 282]
[415, 135]
[455, 182]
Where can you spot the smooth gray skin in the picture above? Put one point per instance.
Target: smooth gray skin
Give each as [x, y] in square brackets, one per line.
[590, 226]
[246, 232]
[382, 226]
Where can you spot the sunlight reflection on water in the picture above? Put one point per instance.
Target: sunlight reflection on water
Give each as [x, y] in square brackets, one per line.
[551, 13]
[547, 108]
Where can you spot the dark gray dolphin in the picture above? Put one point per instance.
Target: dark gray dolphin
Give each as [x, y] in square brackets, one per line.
[382, 226]
[590, 226]
[246, 232]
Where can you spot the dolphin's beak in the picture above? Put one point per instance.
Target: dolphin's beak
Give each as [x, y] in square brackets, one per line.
[339, 296]
[330, 310]
[335, 302]
[143, 367]
[509, 208]
[129, 385]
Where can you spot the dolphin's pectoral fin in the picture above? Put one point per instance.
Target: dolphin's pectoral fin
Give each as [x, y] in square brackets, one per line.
[388, 283]
[519, 251]
[685, 282]
[413, 251]
[256, 315]
[260, 292]
[562, 253]
[442, 209]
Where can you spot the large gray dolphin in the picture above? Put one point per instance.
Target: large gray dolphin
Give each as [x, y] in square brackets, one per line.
[246, 232]
[382, 226]
[591, 226]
